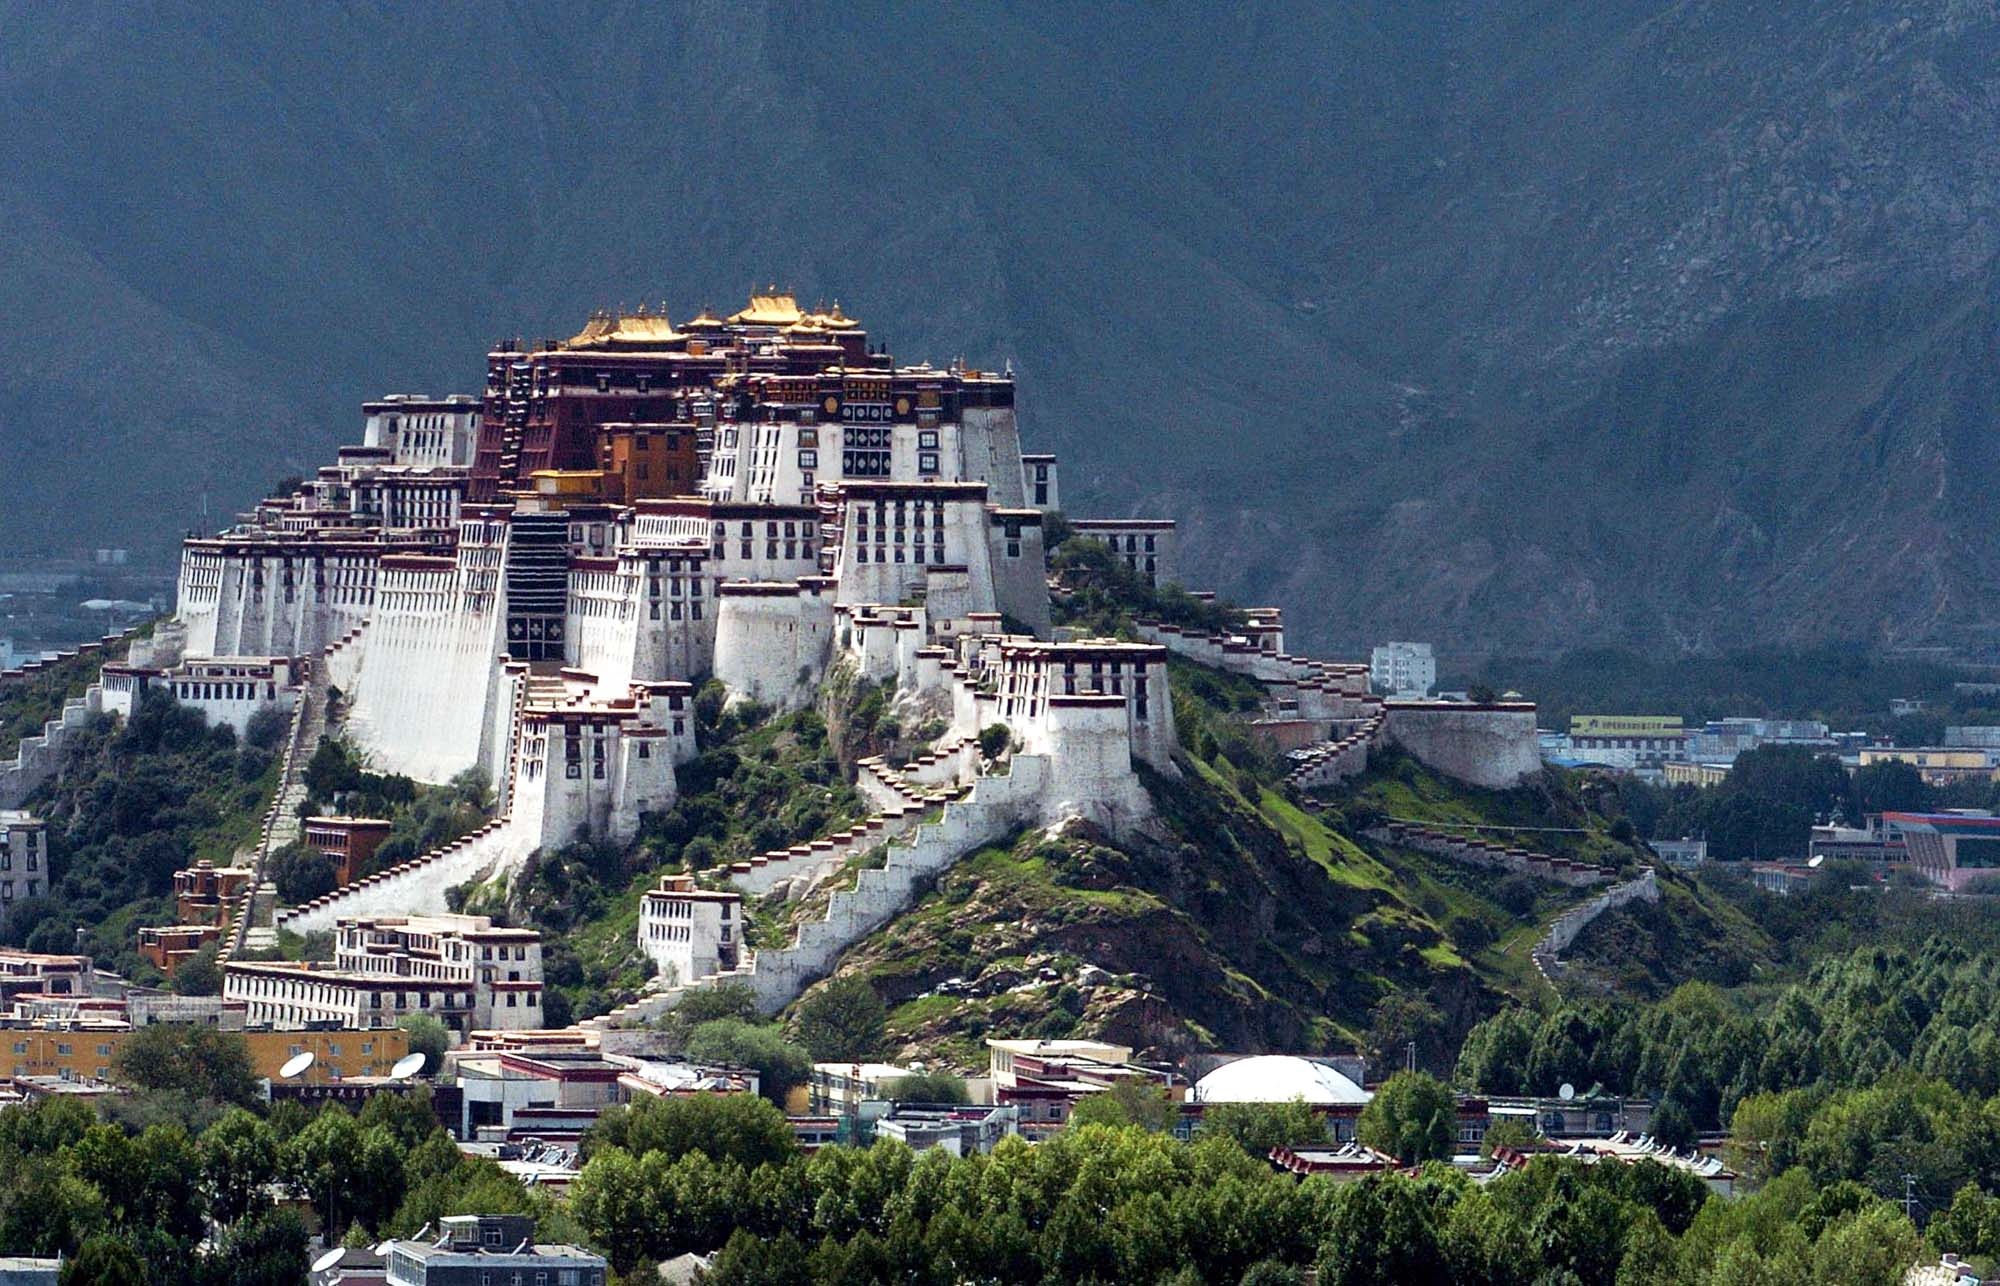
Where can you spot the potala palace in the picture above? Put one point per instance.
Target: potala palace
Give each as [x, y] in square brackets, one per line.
[532, 583]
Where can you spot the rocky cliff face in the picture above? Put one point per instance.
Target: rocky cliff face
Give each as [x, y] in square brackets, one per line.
[1506, 325]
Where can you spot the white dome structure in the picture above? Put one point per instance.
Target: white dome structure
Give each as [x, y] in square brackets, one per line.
[1277, 1078]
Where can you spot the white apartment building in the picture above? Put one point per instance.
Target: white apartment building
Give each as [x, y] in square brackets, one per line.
[1403, 669]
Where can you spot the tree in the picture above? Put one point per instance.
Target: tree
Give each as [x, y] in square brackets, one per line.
[200, 974]
[239, 1156]
[994, 739]
[429, 1037]
[780, 1065]
[1132, 1101]
[739, 1128]
[302, 873]
[267, 1249]
[1259, 1127]
[199, 1061]
[1412, 1117]
[104, 1260]
[1890, 786]
[841, 1021]
[1384, 1233]
[928, 1087]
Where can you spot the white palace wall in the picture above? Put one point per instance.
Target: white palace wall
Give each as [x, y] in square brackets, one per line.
[773, 642]
[424, 687]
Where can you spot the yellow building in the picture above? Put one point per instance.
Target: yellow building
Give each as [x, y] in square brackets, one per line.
[1939, 765]
[80, 1051]
[1690, 774]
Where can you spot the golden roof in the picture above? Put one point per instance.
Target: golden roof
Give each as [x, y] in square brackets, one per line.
[705, 320]
[836, 320]
[772, 307]
[607, 328]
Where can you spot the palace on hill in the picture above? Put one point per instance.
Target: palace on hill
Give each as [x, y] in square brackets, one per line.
[532, 582]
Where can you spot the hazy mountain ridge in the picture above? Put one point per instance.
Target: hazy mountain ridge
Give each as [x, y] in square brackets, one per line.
[1513, 326]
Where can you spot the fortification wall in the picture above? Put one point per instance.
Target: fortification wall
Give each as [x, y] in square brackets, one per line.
[991, 439]
[1018, 570]
[772, 643]
[1563, 931]
[39, 758]
[417, 887]
[997, 806]
[423, 688]
[1492, 746]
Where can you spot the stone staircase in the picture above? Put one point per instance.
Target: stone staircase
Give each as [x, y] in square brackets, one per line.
[281, 824]
[1328, 763]
[994, 807]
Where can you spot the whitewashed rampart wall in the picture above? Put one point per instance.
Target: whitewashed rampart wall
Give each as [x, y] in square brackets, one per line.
[1563, 931]
[991, 441]
[773, 648]
[40, 758]
[1471, 850]
[1493, 747]
[417, 887]
[423, 689]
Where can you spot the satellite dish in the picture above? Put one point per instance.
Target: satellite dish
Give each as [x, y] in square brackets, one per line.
[328, 1260]
[1567, 1092]
[407, 1066]
[1815, 860]
[296, 1065]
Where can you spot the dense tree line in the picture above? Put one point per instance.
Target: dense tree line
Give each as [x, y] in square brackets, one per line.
[138, 800]
[1102, 1204]
[1845, 687]
[1851, 1022]
[176, 1185]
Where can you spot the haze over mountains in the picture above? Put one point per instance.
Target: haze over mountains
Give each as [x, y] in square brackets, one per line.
[1505, 325]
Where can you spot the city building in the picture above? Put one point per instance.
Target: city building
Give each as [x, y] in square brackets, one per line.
[1633, 741]
[1721, 740]
[459, 968]
[1952, 849]
[1279, 1078]
[1939, 765]
[88, 1050]
[24, 859]
[961, 1131]
[1684, 853]
[1694, 773]
[1403, 670]
[489, 1250]
[1045, 1079]
[24, 973]
[1873, 841]
[839, 1089]
[1782, 878]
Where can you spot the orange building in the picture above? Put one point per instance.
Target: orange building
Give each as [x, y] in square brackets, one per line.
[647, 461]
[167, 947]
[207, 894]
[349, 841]
[89, 1051]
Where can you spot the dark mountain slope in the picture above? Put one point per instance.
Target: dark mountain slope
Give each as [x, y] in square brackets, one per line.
[1520, 324]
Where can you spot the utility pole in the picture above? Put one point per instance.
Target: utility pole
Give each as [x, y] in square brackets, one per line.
[1910, 1197]
[1410, 1057]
